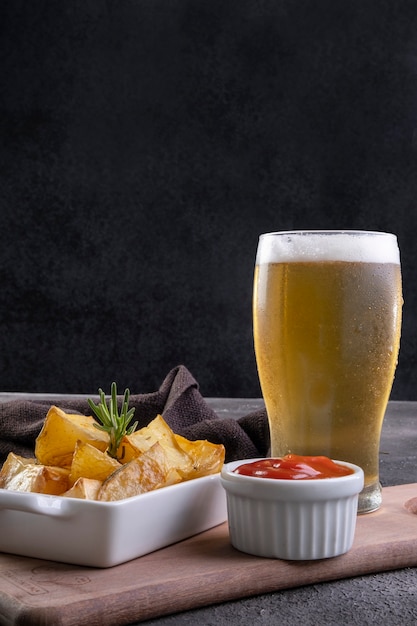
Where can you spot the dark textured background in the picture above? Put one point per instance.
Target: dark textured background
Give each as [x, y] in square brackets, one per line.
[145, 145]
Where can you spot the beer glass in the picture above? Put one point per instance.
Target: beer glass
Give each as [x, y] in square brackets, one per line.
[327, 320]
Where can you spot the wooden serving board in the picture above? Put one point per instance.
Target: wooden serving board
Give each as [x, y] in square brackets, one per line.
[197, 572]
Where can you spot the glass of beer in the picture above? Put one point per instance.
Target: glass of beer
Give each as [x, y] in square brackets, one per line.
[327, 321]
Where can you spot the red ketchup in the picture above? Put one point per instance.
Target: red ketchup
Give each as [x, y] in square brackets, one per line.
[294, 467]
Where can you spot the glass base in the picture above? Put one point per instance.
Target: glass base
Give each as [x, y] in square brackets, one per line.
[370, 498]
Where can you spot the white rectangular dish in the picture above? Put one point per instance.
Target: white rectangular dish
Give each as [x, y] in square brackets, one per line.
[104, 534]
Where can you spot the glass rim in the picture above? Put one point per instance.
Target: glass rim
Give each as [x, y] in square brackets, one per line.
[329, 232]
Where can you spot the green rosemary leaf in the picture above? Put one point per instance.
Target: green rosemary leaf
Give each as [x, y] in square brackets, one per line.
[109, 419]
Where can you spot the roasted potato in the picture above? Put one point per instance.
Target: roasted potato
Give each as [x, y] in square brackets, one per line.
[84, 489]
[56, 442]
[147, 472]
[90, 462]
[157, 431]
[20, 474]
[207, 458]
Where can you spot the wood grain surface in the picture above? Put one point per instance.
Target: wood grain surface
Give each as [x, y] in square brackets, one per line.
[200, 571]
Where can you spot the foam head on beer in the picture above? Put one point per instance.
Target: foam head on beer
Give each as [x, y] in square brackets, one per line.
[349, 246]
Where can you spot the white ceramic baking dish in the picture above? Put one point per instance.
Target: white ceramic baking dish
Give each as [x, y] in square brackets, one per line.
[104, 534]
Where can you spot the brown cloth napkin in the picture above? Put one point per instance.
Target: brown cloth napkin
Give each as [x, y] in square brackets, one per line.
[179, 401]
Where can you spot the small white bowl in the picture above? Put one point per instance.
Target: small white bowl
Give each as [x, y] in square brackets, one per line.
[292, 519]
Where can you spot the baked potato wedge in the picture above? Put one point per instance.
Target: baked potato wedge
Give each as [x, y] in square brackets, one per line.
[157, 431]
[90, 462]
[21, 474]
[146, 472]
[84, 489]
[60, 432]
[207, 458]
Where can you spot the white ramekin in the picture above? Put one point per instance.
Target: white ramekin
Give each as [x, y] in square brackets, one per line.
[292, 519]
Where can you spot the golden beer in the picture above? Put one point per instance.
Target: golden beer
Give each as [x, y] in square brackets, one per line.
[327, 321]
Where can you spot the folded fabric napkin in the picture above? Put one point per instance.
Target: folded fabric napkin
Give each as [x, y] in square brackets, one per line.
[179, 401]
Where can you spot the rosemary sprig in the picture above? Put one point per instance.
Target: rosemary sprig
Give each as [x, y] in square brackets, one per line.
[117, 426]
